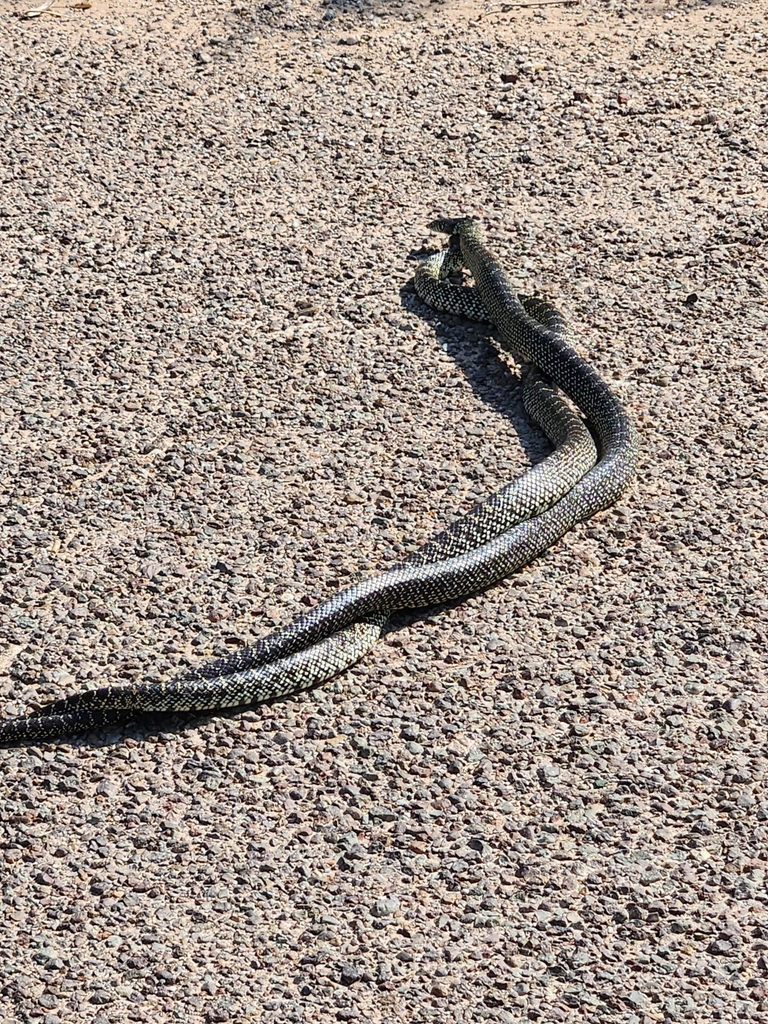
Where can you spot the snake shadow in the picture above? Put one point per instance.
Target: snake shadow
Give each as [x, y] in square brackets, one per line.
[469, 343]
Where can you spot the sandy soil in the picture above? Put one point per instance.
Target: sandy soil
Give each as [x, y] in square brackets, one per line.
[221, 398]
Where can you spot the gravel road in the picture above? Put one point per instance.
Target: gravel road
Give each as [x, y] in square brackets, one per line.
[221, 400]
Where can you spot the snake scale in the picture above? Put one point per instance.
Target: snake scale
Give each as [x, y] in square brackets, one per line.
[492, 541]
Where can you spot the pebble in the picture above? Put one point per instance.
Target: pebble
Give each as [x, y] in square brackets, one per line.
[386, 906]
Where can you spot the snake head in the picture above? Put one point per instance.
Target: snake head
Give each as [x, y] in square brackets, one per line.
[450, 225]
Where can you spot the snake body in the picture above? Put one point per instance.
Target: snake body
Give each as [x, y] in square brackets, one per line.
[492, 541]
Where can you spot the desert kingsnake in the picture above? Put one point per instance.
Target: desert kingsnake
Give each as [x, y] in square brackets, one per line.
[495, 539]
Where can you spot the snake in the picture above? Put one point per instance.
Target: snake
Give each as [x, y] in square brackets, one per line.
[590, 468]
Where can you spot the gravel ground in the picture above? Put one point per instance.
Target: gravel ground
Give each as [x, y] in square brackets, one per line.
[221, 399]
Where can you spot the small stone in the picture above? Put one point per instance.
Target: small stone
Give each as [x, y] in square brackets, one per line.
[102, 997]
[220, 1012]
[638, 999]
[385, 906]
[349, 974]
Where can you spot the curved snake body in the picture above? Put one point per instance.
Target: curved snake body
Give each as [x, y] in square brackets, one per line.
[488, 544]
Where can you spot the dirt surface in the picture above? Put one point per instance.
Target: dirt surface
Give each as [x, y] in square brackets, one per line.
[221, 398]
